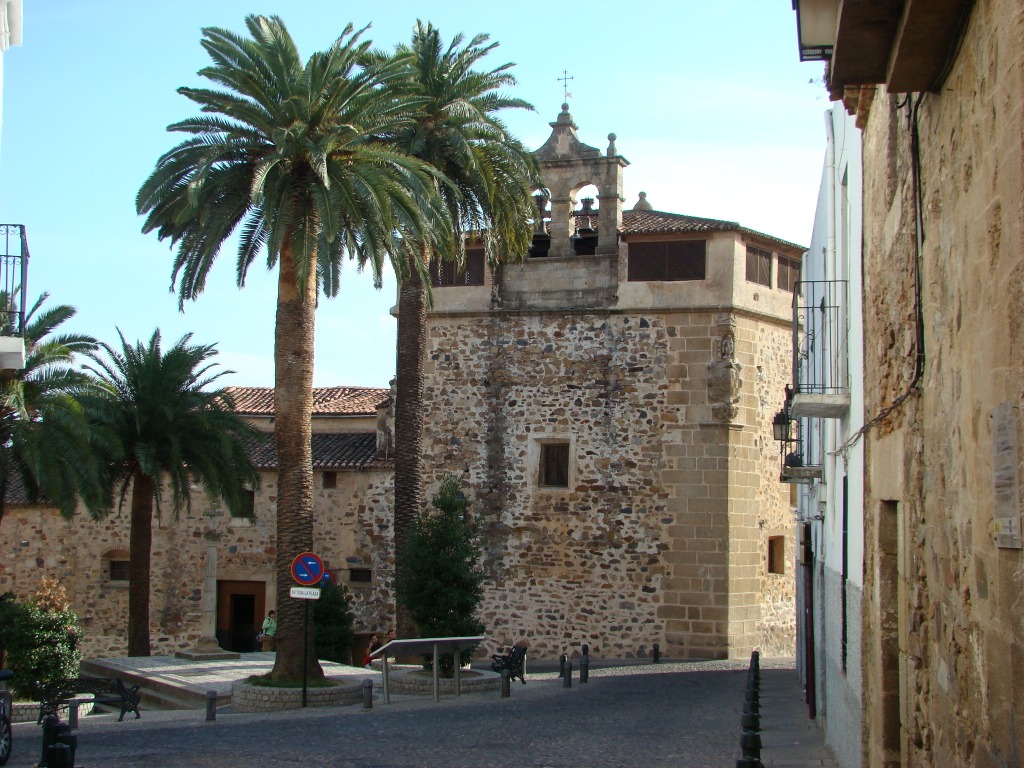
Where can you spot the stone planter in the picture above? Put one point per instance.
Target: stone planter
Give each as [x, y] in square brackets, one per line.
[258, 698]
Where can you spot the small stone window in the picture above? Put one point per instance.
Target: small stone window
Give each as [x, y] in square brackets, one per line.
[446, 273]
[248, 504]
[789, 274]
[117, 570]
[777, 554]
[759, 266]
[329, 480]
[667, 261]
[360, 576]
[554, 464]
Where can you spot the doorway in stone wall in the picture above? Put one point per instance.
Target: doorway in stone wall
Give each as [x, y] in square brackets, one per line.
[240, 614]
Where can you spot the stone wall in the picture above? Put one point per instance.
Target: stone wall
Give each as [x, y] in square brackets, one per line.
[944, 650]
[661, 535]
[353, 528]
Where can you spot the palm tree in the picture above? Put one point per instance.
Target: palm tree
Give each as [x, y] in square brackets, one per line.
[284, 151]
[489, 177]
[44, 436]
[161, 423]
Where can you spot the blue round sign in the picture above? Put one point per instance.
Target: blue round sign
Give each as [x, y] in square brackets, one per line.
[307, 569]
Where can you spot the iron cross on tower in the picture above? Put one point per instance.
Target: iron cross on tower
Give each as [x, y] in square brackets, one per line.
[564, 79]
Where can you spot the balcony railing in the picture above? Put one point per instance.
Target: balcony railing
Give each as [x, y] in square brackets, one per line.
[800, 458]
[13, 279]
[820, 354]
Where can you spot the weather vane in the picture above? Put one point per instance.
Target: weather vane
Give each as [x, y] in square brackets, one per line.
[564, 79]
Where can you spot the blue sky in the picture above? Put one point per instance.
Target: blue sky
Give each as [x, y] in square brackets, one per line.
[709, 102]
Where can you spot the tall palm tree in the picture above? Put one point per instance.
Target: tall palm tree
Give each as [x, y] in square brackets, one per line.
[45, 443]
[162, 424]
[284, 151]
[488, 180]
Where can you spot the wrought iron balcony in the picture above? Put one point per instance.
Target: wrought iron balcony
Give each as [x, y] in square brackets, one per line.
[796, 456]
[14, 257]
[821, 384]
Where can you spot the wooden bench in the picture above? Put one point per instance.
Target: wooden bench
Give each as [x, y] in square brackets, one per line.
[56, 694]
[514, 661]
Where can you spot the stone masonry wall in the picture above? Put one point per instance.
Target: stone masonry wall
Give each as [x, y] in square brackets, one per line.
[944, 633]
[643, 545]
[353, 528]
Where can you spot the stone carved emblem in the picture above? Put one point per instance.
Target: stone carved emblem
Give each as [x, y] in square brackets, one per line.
[725, 380]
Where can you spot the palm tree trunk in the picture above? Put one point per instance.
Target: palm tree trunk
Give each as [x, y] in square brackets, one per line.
[409, 483]
[140, 545]
[293, 410]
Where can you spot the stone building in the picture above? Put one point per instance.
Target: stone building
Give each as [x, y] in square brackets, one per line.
[352, 534]
[936, 89]
[609, 404]
[609, 401]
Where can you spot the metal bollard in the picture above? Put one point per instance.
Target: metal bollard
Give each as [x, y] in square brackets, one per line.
[73, 716]
[561, 665]
[69, 740]
[50, 723]
[211, 705]
[506, 684]
[656, 654]
[567, 680]
[750, 744]
[58, 756]
[750, 721]
[749, 762]
[584, 668]
[367, 687]
[586, 649]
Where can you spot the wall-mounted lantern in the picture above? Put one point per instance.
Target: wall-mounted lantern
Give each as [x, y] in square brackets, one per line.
[816, 28]
[781, 427]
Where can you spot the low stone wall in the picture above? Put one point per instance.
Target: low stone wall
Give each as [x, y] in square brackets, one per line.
[257, 698]
[419, 682]
[28, 711]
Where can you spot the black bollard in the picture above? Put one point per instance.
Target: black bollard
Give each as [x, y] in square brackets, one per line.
[211, 705]
[58, 756]
[750, 721]
[586, 649]
[567, 680]
[561, 665]
[750, 744]
[584, 668]
[749, 762]
[656, 654]
[69, 740]
[506, 687]
[751, 708]
[50, 723]
[367, 688]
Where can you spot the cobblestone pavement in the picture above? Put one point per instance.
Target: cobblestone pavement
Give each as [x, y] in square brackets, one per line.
[679, 715]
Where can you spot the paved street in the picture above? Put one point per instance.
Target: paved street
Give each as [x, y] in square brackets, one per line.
[668, 719]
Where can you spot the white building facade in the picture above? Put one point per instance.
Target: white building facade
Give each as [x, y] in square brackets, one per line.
[827, 404]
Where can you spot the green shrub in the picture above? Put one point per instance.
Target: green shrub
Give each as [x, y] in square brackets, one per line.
[40, 638]
[332, 616]
[439, 579]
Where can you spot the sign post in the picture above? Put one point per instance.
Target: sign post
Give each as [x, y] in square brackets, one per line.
[307, 570]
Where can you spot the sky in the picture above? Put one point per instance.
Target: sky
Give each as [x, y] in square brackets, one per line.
[708, 101]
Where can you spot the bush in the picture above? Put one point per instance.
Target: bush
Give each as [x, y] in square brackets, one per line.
[40, 637]
[332, 616]
[439, 579]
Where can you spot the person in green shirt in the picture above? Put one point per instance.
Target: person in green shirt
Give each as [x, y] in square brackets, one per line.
[269, 631]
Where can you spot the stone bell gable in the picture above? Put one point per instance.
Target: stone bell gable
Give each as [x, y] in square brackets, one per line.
[608, 400]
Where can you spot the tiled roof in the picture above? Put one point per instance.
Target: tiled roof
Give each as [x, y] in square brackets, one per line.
[331, 450]
[327, 401]
[659, 222]
[641, 222]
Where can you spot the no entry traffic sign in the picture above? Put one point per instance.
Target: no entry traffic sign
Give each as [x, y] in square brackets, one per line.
[307, 569]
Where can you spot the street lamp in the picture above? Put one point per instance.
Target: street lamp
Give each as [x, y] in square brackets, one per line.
[816, 28]
[781, 427]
